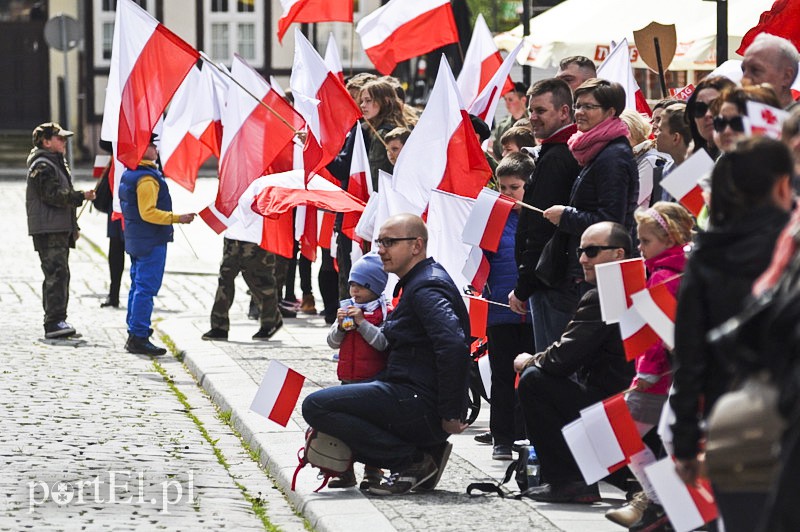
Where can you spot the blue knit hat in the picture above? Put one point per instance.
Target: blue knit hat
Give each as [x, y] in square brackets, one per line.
[368, 272]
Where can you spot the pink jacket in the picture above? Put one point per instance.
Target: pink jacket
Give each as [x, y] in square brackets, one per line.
[655, 361]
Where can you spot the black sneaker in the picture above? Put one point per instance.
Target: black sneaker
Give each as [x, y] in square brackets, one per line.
[569, 492]
[143, 346]
[405, 481]
[484, 437]
[440, 455]
[345, 480]
[502, 452]
[373, 476]
[287, 311]
[252, 311]
[265, 333]
[215, 334]
[58, 330]
[110, 302]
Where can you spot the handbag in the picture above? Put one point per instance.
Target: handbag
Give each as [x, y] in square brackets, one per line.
[103, 200]
[552, 265]
[744, 431]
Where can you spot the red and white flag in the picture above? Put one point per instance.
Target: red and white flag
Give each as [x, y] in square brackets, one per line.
[442, 151]
[617, 67]
[603, 439]
[657, 307]
[688, 507]
[282, 192]
[476, 269]
[616, 283]
[333, 60]
[447, 216]
[782, 20]
[359, 184]
[683, 93]
[402, 29]
[309, 11]
[485, 370]
[764, 120]
[194, 114]
[278, 393]
[637, 335]
[324, 103]
[215, 219]
[485, 104]
[148, 64]
[478, 309]
[100, 163]
[481, 62]
[486, 221]
[252, 135]
[681, 183]
[383, 204]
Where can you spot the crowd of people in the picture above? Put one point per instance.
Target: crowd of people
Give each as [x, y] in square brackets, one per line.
[569, 149]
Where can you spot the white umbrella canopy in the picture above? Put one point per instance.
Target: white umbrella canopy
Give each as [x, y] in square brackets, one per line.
[587, 27]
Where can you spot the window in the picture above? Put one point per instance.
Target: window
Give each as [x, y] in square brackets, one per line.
[235, 26]
[104, 13]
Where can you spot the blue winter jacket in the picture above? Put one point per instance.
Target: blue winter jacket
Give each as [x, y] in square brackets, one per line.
[140, 236]
[503, 277]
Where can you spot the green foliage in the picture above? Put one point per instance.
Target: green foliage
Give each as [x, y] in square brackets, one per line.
[500, 15]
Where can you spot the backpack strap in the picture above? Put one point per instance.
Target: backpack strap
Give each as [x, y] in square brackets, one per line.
[302, 463]
[495, 487]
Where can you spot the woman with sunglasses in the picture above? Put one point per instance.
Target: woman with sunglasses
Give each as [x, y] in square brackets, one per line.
[730, 109]
[607, 186]
[751, 196]
[699, 117]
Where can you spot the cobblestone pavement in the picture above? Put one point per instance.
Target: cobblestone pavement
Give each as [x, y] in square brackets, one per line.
[230, 372]
[94, 438]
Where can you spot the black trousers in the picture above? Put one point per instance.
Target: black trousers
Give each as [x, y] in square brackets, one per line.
[506, 341]
[116, 265]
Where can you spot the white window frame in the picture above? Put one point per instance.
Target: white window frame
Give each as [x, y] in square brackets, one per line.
[232, 18]
[101, 19]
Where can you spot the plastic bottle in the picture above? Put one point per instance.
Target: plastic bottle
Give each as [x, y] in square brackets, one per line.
[534, 476]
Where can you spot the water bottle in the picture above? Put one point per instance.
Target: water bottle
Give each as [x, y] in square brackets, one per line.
[534, 476]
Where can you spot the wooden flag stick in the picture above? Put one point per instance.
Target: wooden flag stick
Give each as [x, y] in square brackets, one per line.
[487, 300]
[531, 207]
[86, 202]
[256, 98]
[187, 241]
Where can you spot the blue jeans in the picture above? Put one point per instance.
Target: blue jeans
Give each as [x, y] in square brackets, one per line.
[384, 423]
[147, 272]
[552, 311]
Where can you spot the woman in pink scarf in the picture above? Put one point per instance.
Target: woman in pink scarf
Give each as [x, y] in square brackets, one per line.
[608, 185]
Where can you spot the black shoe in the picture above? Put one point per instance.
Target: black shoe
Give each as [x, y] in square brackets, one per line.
[345, 480]
[405, 481]
[440, 455]
[215, 334]
[286, 311]
[265, 334]
[110, 302]
[143, 346]
[58, 330]
[502, 452]
[252, 312]
[484, 437]
[570, 492]
[654, 519]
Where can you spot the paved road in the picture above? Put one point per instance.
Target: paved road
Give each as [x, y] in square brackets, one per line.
[230, 373]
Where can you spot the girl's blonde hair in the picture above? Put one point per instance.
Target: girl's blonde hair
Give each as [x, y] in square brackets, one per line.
[667, 219]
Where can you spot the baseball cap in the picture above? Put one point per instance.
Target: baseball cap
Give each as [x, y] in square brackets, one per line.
[49, 130]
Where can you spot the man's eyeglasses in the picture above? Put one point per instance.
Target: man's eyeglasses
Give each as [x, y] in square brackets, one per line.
[593, 251]
[388, 242]
[736, 123]
[587, 106]
[701, 108]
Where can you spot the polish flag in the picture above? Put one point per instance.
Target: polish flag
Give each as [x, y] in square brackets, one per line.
[681, 183]
[476, 269]
[688, 507]
[313, 228]
[333, 60]
[481, 62]
[194, 109]
[282, 192]
[148, 64]
[657, 306]
[254, 133]
[278, 393]
[616, 283]
[617, 67]
[324, 103]
[764, 120]
[215, 219]
[478, 309]
[637, 335]
[485, 104]
[486, 221]
[402, 29]
[383, 204]
[603, 439]
[447, 216]
[485, 371]
[100, 163]
[359, 184]
[442, 151]
[310, 11]
[782, 20]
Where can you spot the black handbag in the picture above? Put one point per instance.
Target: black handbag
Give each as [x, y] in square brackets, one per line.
[103, 200]
[552, 265]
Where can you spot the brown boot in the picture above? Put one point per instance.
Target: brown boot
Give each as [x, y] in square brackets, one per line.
[307, 306]
[631, 513]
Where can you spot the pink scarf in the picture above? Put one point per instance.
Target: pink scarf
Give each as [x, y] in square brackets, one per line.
[586, 146]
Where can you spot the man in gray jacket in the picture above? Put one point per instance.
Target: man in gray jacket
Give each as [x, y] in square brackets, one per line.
[50, 201]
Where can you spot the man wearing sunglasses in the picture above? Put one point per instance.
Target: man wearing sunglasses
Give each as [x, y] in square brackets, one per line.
[590, 349]
[402, 420]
